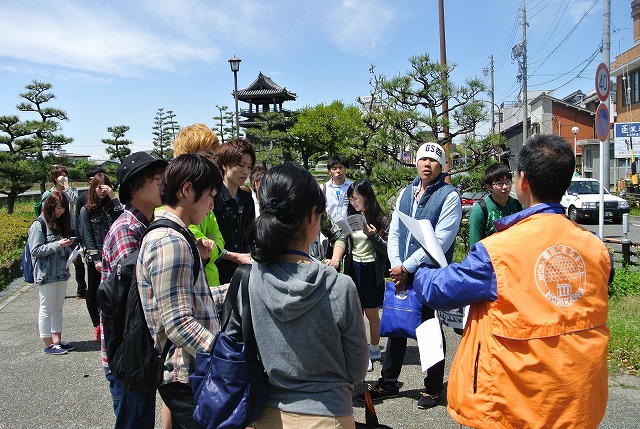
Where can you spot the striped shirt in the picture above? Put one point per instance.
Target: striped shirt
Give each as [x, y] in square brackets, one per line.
[174, 307]
[122, 239]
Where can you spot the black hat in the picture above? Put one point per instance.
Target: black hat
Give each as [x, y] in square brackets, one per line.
[132, 165]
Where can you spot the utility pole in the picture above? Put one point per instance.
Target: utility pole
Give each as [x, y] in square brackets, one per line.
[493, 102]
[445, 95]
[525, 114]
[606, 58]
[604, 146]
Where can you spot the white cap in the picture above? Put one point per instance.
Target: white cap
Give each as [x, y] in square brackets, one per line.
[432, 150]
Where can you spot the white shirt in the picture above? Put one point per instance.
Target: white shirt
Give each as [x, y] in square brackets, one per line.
[337, 199]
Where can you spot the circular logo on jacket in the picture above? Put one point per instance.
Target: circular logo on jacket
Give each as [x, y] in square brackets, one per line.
[561, 275]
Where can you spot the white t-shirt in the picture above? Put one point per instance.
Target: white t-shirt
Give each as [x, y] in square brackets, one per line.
[337, 199]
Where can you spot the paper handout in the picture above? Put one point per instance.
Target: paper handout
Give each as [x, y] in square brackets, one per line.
[423, 232]
[429, 343]
[351, 224]
[72, 257]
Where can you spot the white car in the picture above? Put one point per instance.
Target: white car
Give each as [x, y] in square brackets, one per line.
[581, 201]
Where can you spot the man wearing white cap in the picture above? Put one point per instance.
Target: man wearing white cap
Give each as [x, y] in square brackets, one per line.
[427, 197]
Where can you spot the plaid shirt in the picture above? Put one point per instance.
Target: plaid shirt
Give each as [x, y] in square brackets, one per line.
[122, 239]
[175, 308]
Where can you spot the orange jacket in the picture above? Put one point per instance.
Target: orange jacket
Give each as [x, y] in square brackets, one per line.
[537, 356]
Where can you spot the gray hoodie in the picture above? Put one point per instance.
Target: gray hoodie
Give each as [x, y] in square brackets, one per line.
[311, 336]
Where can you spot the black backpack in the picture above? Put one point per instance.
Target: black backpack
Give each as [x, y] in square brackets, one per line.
[131, 354]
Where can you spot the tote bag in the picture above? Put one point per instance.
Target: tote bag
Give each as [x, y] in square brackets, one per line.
[229, 384]
[401, 312]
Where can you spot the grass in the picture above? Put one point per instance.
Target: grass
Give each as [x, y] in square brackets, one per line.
[624, 345]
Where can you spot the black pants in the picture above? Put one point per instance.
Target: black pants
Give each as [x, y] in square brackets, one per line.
[179, 399]
[80, 273]
[394, 359]
[93, 277]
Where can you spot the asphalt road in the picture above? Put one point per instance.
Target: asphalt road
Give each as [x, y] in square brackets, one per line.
[41, 391]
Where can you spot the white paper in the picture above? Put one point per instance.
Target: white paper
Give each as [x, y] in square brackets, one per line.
[351, 224]
[423, 232]
[429, 343]
[72, 257]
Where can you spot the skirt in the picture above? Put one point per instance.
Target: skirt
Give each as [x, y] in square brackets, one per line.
[364, 276]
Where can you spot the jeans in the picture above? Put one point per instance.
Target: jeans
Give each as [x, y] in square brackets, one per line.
[394, 358]
[178, 397]
[132, 410]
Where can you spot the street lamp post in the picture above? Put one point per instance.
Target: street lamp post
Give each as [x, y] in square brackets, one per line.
[235, 66]
[575, 130]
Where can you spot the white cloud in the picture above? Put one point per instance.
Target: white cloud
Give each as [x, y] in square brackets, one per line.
[88, 36]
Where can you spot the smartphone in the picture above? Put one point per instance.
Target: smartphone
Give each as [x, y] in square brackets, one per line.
[72, 238]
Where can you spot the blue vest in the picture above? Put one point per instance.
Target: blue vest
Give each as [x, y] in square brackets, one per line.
[435, 194]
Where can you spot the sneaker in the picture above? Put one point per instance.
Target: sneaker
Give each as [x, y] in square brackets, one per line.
[426, 401]
[98, 333]
[378, 392]
[375, 355]
[65, 346]
[55, 349]
[370, 367]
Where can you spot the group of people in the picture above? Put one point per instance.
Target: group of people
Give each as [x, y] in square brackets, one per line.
[537, 289]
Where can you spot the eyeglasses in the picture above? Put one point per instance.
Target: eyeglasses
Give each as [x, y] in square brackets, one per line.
[501, 184]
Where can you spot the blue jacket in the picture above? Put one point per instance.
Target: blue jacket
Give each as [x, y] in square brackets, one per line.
[472, 280]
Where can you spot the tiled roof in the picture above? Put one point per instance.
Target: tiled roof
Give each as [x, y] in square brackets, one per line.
[264, 87]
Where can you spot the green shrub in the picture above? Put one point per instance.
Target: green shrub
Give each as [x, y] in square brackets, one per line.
[626, 282]
[13, 237]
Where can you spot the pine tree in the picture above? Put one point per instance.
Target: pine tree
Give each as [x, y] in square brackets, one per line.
[117, 146]
[164, 131]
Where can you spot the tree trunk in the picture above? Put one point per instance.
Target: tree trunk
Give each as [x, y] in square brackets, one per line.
[11, 202]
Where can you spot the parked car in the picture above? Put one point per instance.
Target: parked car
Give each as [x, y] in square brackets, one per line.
[468, 199]
[581, 201]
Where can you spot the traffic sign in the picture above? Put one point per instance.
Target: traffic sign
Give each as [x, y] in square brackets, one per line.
[603, 82]
[602, 122]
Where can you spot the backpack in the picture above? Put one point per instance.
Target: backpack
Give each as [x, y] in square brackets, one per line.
[26, 263]
[37, 207]
[130, 349]
[485, 212]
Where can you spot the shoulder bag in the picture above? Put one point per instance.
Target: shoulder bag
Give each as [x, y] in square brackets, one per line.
[229, 384]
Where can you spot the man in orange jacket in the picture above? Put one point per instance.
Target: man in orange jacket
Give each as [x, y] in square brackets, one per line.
[534, 349]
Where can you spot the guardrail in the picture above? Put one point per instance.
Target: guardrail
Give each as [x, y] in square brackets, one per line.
[625, 247]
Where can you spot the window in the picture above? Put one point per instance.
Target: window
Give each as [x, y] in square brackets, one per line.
[631, 88]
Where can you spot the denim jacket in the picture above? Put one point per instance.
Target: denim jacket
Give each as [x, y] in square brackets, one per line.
[48, 256]
[94, 226]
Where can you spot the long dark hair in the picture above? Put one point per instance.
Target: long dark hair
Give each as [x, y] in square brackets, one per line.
[287, 195]
[372, 210]
[95, 203]
[61, 225]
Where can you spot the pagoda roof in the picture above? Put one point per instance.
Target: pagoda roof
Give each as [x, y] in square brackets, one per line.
[264, 87]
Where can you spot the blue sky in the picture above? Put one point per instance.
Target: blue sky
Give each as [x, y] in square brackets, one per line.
[115, 62]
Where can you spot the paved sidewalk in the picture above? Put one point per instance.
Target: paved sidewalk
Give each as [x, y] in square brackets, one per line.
[40, 391]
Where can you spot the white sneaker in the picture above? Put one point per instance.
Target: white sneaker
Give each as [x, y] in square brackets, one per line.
[370, 367]
[375, 355]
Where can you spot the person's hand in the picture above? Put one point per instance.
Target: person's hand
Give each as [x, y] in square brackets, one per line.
[63, 181]
[107, 190]
[369, 230]
[65, 242]
[399, 275]
[205, 246]
[332, 263]
[98, 266]
[243, 258]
